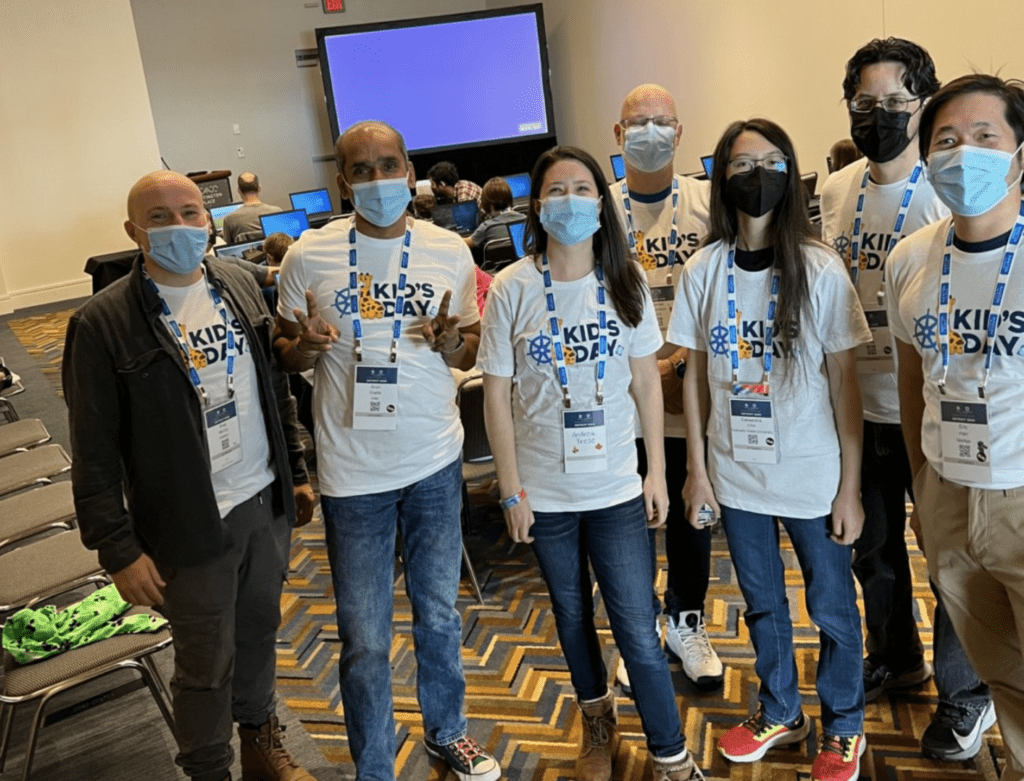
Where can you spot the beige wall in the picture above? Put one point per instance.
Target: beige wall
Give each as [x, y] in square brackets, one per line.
[75, 133]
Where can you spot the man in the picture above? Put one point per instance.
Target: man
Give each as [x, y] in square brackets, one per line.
[954, 297]
[243, 224]
[174, 405]
[866, 208]
[366, 302]
[448, 188]
[666, 217]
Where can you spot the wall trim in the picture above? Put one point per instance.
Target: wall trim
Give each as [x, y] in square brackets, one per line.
[45, 294]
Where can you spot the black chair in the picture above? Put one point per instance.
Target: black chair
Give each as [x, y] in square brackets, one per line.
[477, 461]
[497, 254]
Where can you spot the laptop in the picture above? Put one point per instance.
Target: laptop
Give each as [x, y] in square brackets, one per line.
[517, 233]
[293, 223]
[707, 161]
[520, 186]
[618, 167]
[220, 212]
[317, 203]
[464, 216]
[237, 250]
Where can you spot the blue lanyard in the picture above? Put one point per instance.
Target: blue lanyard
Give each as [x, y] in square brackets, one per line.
[897, 230]
[995, 313]
[186, 353]
[673, 236]
[769, 325]
[353, 286]
[556, 333]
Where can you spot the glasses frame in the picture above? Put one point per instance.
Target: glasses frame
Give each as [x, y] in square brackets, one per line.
[661, 120]
[731, 165]
[881, 102]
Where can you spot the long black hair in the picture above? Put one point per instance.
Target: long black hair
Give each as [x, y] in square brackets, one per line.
[790, 228]
[623, 278]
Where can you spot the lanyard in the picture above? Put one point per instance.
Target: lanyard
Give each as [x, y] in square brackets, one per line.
[897, 230]
[353, 286]
[995, 312]
[556, 333]
[769, 325]
[673, 236]
[186, 353]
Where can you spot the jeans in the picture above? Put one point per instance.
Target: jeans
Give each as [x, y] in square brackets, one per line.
[831, 602]
[955, 678]
[361, 545]
[614, 540]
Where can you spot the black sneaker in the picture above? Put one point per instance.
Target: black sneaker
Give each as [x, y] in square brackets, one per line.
[466, 759]
[955, 732]
[878, 678]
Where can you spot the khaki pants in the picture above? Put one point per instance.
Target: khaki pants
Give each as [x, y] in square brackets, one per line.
[974, 540]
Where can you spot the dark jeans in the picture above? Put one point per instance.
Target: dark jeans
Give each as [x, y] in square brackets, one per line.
[687, 550]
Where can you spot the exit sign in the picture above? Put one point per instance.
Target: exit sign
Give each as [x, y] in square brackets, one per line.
[334, 6]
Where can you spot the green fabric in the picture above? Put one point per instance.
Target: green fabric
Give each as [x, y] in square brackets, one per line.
[31, 635]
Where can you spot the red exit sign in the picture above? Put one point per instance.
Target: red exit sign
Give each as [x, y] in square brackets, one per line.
[334, 6]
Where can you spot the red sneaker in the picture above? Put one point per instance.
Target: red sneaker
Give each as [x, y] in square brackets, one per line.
[838, 758]
[749, 741]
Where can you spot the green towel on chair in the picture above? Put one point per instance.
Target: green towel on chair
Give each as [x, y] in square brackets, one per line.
[31, 635]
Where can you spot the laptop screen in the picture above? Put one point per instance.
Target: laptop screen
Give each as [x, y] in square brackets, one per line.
[706, 161]
[313, 201]
[293, 223]
[220, 212]
[520, 185]
[237, 250]
[618, 167]
[464, 216]
[517, 232]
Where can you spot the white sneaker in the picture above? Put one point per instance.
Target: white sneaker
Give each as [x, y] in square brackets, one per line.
[621, 676]
[687, 640]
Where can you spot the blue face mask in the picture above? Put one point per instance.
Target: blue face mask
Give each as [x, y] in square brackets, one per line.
[971, 180]
[649, 148]
[381, 201]
[178, 249]
[569, 219]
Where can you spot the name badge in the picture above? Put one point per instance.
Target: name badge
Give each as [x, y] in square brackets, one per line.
[662, 297]
[876, 357]
[223, 436]
[755, 431]
[966, 444]
[585, 441]
[375, 398]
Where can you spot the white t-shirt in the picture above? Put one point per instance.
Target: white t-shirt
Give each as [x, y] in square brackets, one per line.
[912, 292]
[428, 437]
[881, 205]
[804, 482]
[516, 343]
[652, 228]
[206, 338]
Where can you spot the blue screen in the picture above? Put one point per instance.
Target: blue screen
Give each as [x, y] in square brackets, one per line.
[464, 215]
[293, 223]
[516, 232]
[706, 161]
[220, 212]
[443, 84]
[313, 201]
[618, 167]
[520, 185]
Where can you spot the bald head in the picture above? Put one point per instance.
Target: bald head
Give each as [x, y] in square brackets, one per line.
[248, 183]
[371, 131]
[152, 189]
[648, 100]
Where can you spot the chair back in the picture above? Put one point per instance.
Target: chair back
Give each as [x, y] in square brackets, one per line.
[475, 447]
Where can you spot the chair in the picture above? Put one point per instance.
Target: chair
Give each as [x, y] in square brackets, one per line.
[44, 568]
[33, 466]
[22, 435]
[477, 461]
[32, 512]
[7, 412]
[497, 254]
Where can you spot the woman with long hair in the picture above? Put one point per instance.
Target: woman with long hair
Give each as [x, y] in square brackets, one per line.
[568, 353]
[771, 396]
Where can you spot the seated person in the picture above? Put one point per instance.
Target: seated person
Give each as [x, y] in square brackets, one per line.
[260, 273]
[448, 188]
[243, 224]
[844, 152]
[497, 211]
[275, 245]
[423, 207]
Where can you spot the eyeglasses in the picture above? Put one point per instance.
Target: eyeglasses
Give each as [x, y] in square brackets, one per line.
[894, 104]
[662, 120]
[744, 165]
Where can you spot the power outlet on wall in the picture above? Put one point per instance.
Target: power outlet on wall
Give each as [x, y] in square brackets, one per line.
[241, 151]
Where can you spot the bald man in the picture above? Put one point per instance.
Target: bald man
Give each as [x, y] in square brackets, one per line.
[243, 224]
[666, 217]
[188, 474]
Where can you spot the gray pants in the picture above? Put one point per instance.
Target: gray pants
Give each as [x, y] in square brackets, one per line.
[224, 617]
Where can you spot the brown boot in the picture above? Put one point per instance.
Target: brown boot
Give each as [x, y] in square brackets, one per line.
[264, 758]
[678, 768]
[600, 739]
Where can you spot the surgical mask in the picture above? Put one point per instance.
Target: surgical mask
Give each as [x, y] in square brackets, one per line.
[178, 249]
[971, 180]
[881, 135]
[756, 192]
[569, 219]
[650, 147]
[381, 201]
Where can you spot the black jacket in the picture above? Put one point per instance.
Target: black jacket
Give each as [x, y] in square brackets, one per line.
[137, 428]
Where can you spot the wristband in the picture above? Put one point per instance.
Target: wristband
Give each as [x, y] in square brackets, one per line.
[458, 346]
[511, 501]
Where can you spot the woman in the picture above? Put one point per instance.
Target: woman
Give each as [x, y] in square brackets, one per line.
[569, 335]
[777, 313]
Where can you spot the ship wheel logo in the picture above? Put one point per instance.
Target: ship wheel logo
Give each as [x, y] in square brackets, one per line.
[925, 329]
[719, 341]
[342, 302]
[841, 244]
[540, 349]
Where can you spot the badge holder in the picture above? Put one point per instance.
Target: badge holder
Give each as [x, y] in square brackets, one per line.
[876, 357]
[966, 441]
[585, 441]
[223, 436]
[375, 398]
[662, 296]
[754, 427]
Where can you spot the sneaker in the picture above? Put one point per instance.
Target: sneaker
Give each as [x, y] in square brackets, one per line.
[677, 768]
[466, 759]
[621, 676]
[878, 678]
[749, 741]
[955, 732]
[686, 639]
[838, 758]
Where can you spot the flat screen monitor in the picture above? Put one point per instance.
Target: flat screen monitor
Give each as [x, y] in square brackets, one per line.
[519, 184]
[464, 216]
[237, 250]
[293, 223]
[430, 77]
[618, 167]
[517, 233]
[317, 203]
[220, 212]
[707, 161]
[810, 183]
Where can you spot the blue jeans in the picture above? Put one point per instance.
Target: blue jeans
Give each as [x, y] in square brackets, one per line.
[361, 545]
[831, 602]
[614, 540]
[955, 678]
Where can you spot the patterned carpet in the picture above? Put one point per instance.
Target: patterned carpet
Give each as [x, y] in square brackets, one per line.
[519, 699]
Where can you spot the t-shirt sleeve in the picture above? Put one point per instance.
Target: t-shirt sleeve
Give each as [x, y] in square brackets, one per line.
[291, 284]
[837, 311]
[684, 327]
[497, 352]
[463, 301]
[647, 335]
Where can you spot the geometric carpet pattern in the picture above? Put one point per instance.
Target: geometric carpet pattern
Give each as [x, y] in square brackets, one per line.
[43, 338]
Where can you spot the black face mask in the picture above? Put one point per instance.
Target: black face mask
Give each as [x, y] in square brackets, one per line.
[879, 134]
[758, 192]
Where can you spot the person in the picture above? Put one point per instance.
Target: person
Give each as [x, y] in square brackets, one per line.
[382, 306]
[778, 399]
[954, 293]
[243, 224]
[188, 472]
[263, 275]
[667, 216]
[842, 153]
[448, 187]
[569, 344]
[497, 211]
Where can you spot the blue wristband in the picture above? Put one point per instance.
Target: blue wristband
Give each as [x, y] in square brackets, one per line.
[511, 501]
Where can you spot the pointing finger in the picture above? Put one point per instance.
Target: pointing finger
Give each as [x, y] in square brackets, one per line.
[442, 310]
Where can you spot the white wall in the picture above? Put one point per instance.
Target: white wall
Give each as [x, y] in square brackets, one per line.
[75, 133]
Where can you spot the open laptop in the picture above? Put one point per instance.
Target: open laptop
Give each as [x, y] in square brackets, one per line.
[220, 212]
[464, 216]
[293, 223]
[517, 233]
[237, 250]
[317, 203]
[520, 186]
[707, 161]
[618, 167]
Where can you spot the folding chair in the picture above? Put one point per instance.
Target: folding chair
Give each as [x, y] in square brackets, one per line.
[33, 512]
[477, 461]
[38, 465]
[22, 435]
[44, 568]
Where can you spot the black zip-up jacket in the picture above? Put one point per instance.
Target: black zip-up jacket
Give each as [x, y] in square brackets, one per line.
[137, 429]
